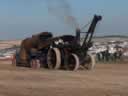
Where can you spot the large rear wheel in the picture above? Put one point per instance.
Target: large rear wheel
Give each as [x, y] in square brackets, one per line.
[73, 62]
[54, 58]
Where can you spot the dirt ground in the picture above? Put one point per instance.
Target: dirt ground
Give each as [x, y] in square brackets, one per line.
[9, 43]
[104, 80]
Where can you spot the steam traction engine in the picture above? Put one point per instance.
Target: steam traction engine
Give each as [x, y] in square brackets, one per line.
[65, 52]
[69, 54]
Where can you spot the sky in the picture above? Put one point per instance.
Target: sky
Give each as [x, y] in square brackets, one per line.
[22, 18]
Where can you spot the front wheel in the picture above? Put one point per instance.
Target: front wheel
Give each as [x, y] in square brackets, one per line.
[90, 62]
[73, 62]
[54, 58]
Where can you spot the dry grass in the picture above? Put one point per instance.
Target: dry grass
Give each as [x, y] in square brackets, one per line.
[104, 80]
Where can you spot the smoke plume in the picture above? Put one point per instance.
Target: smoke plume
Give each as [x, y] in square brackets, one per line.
[62, 10]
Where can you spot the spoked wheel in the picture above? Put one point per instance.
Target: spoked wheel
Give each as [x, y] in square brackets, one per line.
[35, 63]
[54, 58]
[89, 62]
[73, 62]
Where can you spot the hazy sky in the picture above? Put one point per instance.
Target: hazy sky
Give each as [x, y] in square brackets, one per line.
[22, 18]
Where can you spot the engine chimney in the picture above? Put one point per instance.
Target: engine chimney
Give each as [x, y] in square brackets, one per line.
[78, 35]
